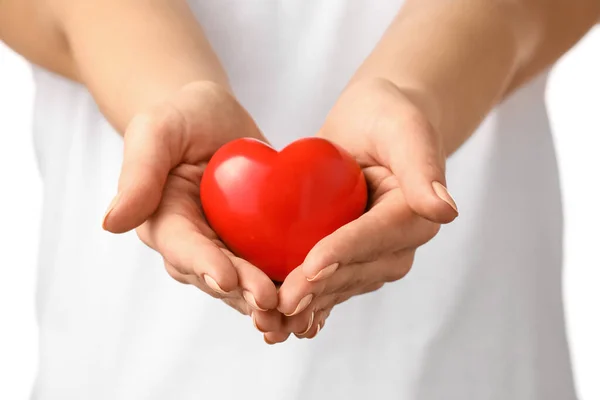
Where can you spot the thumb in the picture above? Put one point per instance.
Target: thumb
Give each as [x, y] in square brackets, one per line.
[417, 160]
[147, 160]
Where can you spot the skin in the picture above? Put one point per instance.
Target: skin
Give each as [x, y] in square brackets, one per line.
[410, 93]
[174, 110]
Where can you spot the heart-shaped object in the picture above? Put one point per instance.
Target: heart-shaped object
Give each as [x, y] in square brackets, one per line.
[271, 207]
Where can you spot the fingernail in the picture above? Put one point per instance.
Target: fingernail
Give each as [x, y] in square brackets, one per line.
[317, 332]
[325, 272]
[213, 284]
[249, 297]
[267, 341]
[255, 325]
[443, 194]
[310, 324]
[302, 305]
[111, 207]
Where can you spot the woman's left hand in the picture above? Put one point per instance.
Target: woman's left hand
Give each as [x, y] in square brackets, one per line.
[403, 161]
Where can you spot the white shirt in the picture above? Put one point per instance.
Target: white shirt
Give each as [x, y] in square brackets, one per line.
[478, 317]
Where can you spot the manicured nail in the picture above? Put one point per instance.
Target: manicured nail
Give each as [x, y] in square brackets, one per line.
[267, 341]
[302, 305]
[310, 324]
[325, 272]
[111, 207]
[255, 324]
[317, 332]
[213, 284]
[443, 194]
[249, 297]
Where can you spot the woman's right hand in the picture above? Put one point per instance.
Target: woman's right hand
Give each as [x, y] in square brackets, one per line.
[166, 151]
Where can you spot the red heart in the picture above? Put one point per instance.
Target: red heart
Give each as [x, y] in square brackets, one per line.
[271, 207]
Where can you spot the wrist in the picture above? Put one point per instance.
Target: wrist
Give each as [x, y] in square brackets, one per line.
[455, 70]
[132, 55]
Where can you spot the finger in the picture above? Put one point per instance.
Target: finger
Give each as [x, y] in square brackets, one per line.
[350, 278]
[322, 309]
[296, 293]
[189, 128]
[257, 289]
[267, 321]
[355, 277]
[320, 317]
[237, 303]
[150, 151]
[300, 324]
[276, 337]
[322, 320]
[201, 284]
[188, 251]
[414, 151]
[388, 227]
[178, 276]
[299, 297]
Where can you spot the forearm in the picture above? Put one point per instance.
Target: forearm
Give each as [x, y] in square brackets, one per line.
[460, 58]
[27, 28]
[131, 54]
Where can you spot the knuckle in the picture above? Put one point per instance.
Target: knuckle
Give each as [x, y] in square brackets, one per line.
[361, 280]
[358, 280]
[338, 299]
[348, 285]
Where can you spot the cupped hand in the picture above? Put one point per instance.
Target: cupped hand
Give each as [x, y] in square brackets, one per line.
[165, 153]
[404, 165]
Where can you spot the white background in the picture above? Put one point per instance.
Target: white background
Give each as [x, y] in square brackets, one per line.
[574, 103]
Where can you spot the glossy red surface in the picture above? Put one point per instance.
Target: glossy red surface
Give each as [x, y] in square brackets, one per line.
[271, 207]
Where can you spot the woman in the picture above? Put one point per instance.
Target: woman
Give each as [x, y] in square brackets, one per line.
[402, 88]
